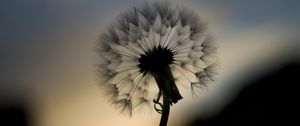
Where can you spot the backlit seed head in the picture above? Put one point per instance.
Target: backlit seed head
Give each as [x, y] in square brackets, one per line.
[145, 39]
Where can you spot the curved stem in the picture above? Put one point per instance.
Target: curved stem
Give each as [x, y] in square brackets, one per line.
[165, 111]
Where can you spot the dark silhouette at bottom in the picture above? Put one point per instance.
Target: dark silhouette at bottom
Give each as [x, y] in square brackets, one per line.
[271, 99]
[13, 115]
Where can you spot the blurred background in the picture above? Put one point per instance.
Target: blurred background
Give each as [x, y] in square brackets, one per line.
[47, 66]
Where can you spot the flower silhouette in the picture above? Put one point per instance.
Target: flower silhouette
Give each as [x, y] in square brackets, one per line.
[154, 45]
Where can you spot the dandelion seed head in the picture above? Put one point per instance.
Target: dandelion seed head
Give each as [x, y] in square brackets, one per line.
[155, 59]
[147, 38]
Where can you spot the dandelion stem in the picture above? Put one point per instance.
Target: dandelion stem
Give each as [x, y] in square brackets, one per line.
[166, 83]
[165, 111]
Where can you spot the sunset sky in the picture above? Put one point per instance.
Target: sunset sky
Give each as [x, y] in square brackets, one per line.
[47, 58]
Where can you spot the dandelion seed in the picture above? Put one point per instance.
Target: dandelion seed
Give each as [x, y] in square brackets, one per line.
[125, 105]
[153, 42]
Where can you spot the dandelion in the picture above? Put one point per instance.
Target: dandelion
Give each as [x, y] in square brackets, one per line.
[155, 44]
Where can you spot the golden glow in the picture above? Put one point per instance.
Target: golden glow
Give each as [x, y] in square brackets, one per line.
[65, 91]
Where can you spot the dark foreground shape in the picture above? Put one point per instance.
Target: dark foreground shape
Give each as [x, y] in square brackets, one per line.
[272, 99]
[13, 115]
